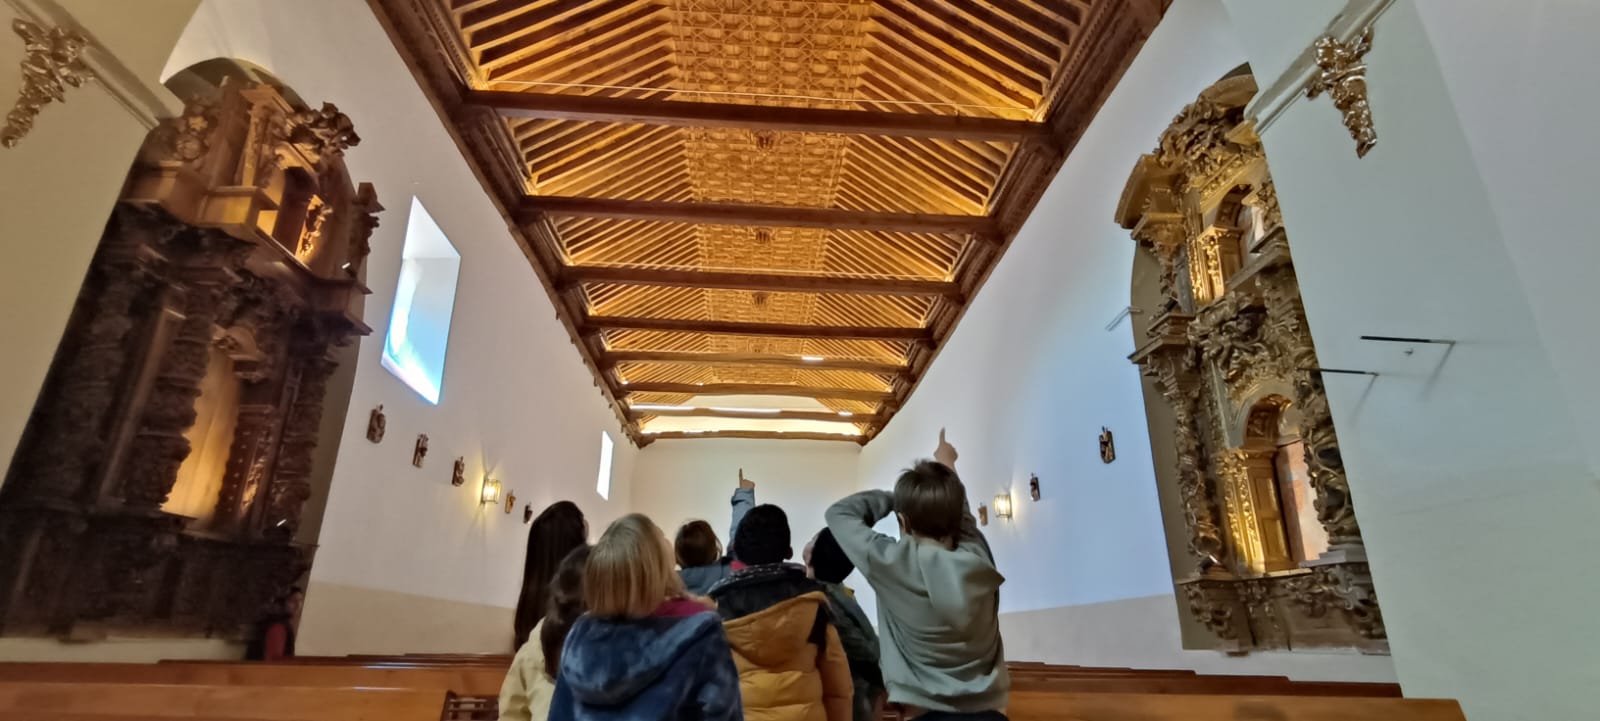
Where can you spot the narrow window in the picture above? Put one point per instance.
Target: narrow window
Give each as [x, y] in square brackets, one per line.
[424, 298]
[603, 482]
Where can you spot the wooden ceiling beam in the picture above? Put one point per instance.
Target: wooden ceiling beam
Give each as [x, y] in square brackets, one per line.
[776, 282]
[551, 106]
[754, 414]
[611, 358]
[758, 435]
[776, 330]
[756, 389]
[758, 215]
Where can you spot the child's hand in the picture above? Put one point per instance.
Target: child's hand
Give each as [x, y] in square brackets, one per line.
[746, 483]
[945, 453]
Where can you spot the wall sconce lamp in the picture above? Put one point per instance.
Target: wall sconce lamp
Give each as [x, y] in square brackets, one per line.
[1002, 505]
[491, 491]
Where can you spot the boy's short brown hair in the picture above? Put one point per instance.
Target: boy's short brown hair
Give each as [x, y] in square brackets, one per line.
[931, 500]
[697, 545]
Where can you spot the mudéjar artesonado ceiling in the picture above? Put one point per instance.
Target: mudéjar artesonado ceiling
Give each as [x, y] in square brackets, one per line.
[776, 200]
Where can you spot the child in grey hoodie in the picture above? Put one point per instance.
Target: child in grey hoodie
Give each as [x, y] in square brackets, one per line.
[938, 592]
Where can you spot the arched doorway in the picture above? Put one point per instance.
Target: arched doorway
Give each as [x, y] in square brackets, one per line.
[1270, 532]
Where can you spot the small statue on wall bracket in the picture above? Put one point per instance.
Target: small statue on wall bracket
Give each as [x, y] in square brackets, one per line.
[983, 515]
[421, 450]
[376, 424]
[527, 513]
[1108, 447]
[1033, 487]
[458, 473]
[511, 501]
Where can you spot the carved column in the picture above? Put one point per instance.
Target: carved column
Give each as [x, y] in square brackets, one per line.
[249, 462]
[291, 483]
[1172, 368]
[1336, 512]
[69, 434]
[159, 447]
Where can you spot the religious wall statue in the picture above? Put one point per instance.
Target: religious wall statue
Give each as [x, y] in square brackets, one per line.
[1271, 529]
[420, 451]
[376, 423]
[220, 268]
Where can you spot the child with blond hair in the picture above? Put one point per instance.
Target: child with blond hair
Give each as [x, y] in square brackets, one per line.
[646, 650]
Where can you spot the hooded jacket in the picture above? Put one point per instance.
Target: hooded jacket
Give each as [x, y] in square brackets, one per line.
[791, 664]
[661, 668]
[938, 609]
[699, 579]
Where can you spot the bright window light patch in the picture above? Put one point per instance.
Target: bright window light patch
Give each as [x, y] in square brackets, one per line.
[603, 483]
[424, 298]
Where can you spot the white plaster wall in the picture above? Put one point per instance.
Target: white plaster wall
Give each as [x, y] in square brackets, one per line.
[681, 480]
[1475, 489]
[1521, 77]
[1086, 565]
[517, 401]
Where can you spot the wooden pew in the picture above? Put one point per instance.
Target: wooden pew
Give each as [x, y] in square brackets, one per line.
[463, 681]
[253, 703]
[1047, 706]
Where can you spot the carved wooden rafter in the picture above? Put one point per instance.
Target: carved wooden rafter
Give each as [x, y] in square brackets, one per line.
[855, 165]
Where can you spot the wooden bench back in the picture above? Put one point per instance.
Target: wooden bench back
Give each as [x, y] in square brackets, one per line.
[1048, 706]
[256, 703]
[463, 681]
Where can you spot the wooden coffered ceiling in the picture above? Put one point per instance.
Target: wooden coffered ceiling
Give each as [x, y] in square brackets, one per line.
[789, 202]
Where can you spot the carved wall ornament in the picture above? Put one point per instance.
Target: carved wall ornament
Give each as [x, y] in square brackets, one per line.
[458, 471]
[420, 451]
[52, 62]
[1033, 487]
[527, 513]
[1343, 76]
[511, 501]
[186, 290]
[323, 132]
[376, 424]
[1108, 446]
[1229, 350]
[983, 515]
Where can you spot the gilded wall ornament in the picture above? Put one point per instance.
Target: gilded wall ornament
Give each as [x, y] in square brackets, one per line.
[1230, 324]
[53, 62]
[376, 423]
[1342, 75]
[511, 501]
[983, 515]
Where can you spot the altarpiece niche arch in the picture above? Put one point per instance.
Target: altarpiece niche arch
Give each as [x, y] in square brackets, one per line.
[159, 484]
[1275, 553]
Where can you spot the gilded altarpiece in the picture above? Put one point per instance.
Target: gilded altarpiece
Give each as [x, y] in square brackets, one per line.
[1278, 556]
[222, 286]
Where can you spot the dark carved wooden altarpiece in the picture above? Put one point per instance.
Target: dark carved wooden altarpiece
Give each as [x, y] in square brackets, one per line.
[1230, 350]
[239, 240]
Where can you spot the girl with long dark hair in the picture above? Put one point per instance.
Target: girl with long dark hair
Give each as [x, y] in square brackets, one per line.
[529, 685]
[553, 535]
